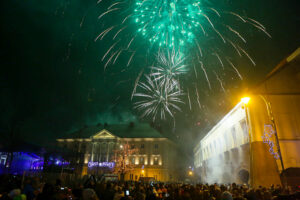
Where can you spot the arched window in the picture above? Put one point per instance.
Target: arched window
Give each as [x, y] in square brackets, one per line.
[233, 133]
[243, 126]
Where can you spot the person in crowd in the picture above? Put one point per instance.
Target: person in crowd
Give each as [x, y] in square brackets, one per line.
[119, 193]
[89, 194]
[28, 189]
[47, 193]
[10, 190]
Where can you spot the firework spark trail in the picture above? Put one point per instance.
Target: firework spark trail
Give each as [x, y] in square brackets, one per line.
[235, 14]
[198, 101]
[130, 42]
[117, 56]
[82, 20]
[106, 32]
[247, 55]
[108, 61]
[136, 83]
[204, 71]
[129, 61]
[112, 46]
[217, 55]
[237, 33]
[199, 48]
[121, 29]
[221, 36]
[195, 71]
[233, 45]
[124, 20]
[103, 33]
[235, 69]
[109, 11]
[112, 5]
[220, 81]
[259, 24]
[204, 33]
[208, 19]
[188, 94]
[214, 10]
[262, 29]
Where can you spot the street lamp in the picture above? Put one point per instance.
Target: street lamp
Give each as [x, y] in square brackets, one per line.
[245, 100]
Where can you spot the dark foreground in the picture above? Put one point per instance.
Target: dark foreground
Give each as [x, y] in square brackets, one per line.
[36, 188]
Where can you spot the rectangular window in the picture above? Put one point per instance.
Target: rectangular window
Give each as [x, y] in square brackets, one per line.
[155, 161]
[142, 146]
[133, 160]
[244, 128]
[156, 146]
[142, 160]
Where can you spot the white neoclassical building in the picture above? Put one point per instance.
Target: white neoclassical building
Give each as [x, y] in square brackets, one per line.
[94, 148]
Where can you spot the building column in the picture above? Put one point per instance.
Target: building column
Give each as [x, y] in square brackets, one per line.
[92, 157]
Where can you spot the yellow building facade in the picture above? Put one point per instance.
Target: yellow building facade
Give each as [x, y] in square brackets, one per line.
[258, 142]
[96, 146]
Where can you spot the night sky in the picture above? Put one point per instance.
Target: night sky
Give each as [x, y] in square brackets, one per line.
[53, 81]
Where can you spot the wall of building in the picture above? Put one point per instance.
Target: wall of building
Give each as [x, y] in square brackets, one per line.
[155, 156]
[221, 154]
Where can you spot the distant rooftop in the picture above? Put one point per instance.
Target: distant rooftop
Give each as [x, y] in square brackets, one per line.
[132, 130]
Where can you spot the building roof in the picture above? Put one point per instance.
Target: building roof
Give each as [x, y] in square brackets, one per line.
[132, 130]
[283, 79]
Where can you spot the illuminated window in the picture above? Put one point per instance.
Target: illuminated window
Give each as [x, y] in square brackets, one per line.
[245, 131]
[3, 159]
[133, 160]
[155, 161]
[142, 160]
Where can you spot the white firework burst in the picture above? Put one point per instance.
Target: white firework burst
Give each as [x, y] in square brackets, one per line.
[158, 99]
[169, 66]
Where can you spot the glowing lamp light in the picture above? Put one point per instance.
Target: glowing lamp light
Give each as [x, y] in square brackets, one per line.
[245, 100]
[190, 173]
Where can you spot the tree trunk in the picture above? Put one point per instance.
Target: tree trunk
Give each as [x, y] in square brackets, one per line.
[122, 177]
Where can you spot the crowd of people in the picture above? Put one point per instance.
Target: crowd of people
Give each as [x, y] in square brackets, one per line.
[36, 188]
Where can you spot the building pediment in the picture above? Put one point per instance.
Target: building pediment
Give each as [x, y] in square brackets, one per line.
[104, 134]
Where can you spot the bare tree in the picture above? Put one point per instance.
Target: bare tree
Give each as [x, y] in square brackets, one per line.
[122, 163]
